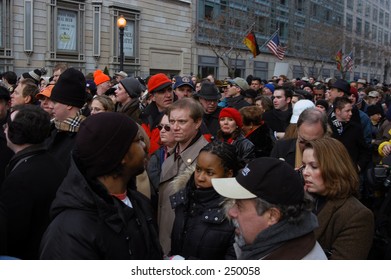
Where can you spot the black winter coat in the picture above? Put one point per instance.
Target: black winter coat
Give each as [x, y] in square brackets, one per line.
[60, 144]
[262, 140]
[33, 177]
[88, 223]
[277, 120]
[5, 152]
[352, 138]
[200, 230]
[285, 149]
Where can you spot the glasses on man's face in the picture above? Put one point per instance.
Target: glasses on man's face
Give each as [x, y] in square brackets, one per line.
[166, 127]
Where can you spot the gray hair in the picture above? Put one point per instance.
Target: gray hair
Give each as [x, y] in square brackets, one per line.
[313, 116]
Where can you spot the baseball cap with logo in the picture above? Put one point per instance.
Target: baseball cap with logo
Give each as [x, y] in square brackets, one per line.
[181, 81]
[267, 178]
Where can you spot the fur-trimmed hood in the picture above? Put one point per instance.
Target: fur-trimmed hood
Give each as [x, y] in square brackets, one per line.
[180, 181]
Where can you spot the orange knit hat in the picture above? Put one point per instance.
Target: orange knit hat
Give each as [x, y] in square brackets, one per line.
[100, 77]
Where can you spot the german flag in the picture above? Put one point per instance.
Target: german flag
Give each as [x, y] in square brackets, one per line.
[338, 59]
[251, 42]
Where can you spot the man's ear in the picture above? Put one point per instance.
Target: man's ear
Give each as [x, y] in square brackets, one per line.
[27, 99]
[198, 123]
[229, 173]
[274, 216]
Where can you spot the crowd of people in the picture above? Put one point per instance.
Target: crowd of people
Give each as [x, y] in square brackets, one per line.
[100, 167]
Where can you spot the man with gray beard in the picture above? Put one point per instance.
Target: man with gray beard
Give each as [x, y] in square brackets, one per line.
[271, 212]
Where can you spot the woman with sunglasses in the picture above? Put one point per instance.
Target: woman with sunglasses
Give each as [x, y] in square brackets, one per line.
[156, 160]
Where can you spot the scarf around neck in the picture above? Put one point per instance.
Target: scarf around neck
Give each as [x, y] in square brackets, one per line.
[275, 236]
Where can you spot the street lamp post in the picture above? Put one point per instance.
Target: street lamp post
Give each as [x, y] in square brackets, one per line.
[121, 23]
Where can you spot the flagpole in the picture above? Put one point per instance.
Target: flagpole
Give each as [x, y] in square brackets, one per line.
[249, 29]
[276, 32]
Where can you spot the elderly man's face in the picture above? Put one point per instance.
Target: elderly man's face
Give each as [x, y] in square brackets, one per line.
[248, 224]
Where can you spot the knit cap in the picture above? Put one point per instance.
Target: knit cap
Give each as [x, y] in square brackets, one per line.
[132, 87]
[35, 75]
[103, 141]
[100, 77]
[70, 88]
[232, 113]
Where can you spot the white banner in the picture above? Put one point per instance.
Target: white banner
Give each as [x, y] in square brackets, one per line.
[66, 30]
[129, 39]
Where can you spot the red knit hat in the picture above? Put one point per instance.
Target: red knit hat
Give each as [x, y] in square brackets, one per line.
[158, 82]
[100, 77]
[232, 113]
[354, 91]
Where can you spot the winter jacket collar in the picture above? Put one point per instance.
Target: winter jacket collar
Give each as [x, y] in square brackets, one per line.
[23, 156]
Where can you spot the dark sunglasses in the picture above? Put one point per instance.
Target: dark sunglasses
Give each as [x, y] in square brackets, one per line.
[166, 127]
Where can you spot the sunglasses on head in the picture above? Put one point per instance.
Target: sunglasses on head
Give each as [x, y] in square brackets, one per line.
[166, 127]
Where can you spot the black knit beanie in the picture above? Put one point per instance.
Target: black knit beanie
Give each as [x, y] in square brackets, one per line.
[70, 88]
[102, 142]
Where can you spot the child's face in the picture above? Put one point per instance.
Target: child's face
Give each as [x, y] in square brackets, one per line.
[208, 166]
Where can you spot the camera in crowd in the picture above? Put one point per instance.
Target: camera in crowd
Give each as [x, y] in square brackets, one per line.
[381, 177]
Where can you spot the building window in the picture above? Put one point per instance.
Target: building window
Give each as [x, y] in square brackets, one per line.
[28, 26]
[261, 70]
[208, 12]
[358, 26]
[374, 15]
[299, 5]
[207, 65]
[298, 71]
[239, 65]
[312, 71]
[131, 39]
[96, 18]
[367, 28]
[349, 23]
[325, 73]
[5, 34]
[67, 30]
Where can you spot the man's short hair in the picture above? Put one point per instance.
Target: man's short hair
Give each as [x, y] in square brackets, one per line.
[195, 108]
[31, 125]
[30, 89]
[10, 77]
[60, 66]
[288, 92]
[340, 102]
[257, 79]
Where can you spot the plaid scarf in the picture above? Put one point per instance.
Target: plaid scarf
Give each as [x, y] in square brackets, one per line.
[70, 124]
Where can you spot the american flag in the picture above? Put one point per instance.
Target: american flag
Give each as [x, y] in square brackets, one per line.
[349, 62]
[275, 47]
